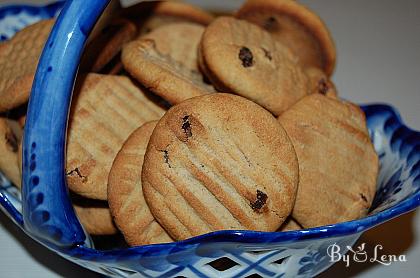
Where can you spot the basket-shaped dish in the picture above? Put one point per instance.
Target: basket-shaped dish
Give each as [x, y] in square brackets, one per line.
[45, 213]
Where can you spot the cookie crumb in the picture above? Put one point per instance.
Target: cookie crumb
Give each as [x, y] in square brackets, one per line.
[186, 126]
[260, 201]
[11, 141]
[245, 55]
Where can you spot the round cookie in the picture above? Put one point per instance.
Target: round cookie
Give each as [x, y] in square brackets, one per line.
[295, 26]
[154, 14]
[338, 165]
[105, 110]
[242, 58]
[219, 162]
[18, 61]
[165, 62]
[125, 194]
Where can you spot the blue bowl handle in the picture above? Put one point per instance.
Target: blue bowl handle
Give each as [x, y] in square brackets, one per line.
[47, 211]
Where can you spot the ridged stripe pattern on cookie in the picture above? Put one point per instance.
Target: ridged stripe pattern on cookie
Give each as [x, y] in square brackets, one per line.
[125, 192]
[209, 180]
[338, 164]
[18, 61]
[104, 113]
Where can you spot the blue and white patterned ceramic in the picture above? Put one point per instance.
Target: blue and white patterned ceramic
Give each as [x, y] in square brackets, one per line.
[45, 213]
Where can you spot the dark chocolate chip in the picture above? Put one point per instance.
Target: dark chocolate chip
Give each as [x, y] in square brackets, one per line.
[186, 126]
[363, 197]
[260, 201]
[245, 55]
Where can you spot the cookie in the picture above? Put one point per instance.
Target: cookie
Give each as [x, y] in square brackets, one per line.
[152, 15]
[242, 58]
[219, 162]
[165, 62]
[125, 193]
[94, 215]
[295, 26]
[106, 109]
[338, 165]
[9, 148]
[18, 61]
[107, 44]
[289, 225]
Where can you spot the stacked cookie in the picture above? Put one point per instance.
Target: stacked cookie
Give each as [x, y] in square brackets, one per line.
[186, 123]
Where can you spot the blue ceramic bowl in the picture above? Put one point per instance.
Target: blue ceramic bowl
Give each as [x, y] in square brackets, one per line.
[45, 212]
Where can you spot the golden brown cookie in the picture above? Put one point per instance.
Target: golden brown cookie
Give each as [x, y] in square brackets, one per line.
[94, 215]
[9, 149]
[165, 62]
[106, 109]
[125, 193]
[290, 225]
[217, 162]
[242, 58]
[18, 61]
[154, 14]
[295, 26]
[338, 165]
[107, 44]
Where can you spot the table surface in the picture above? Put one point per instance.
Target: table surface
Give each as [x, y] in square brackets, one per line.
[378, 46]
